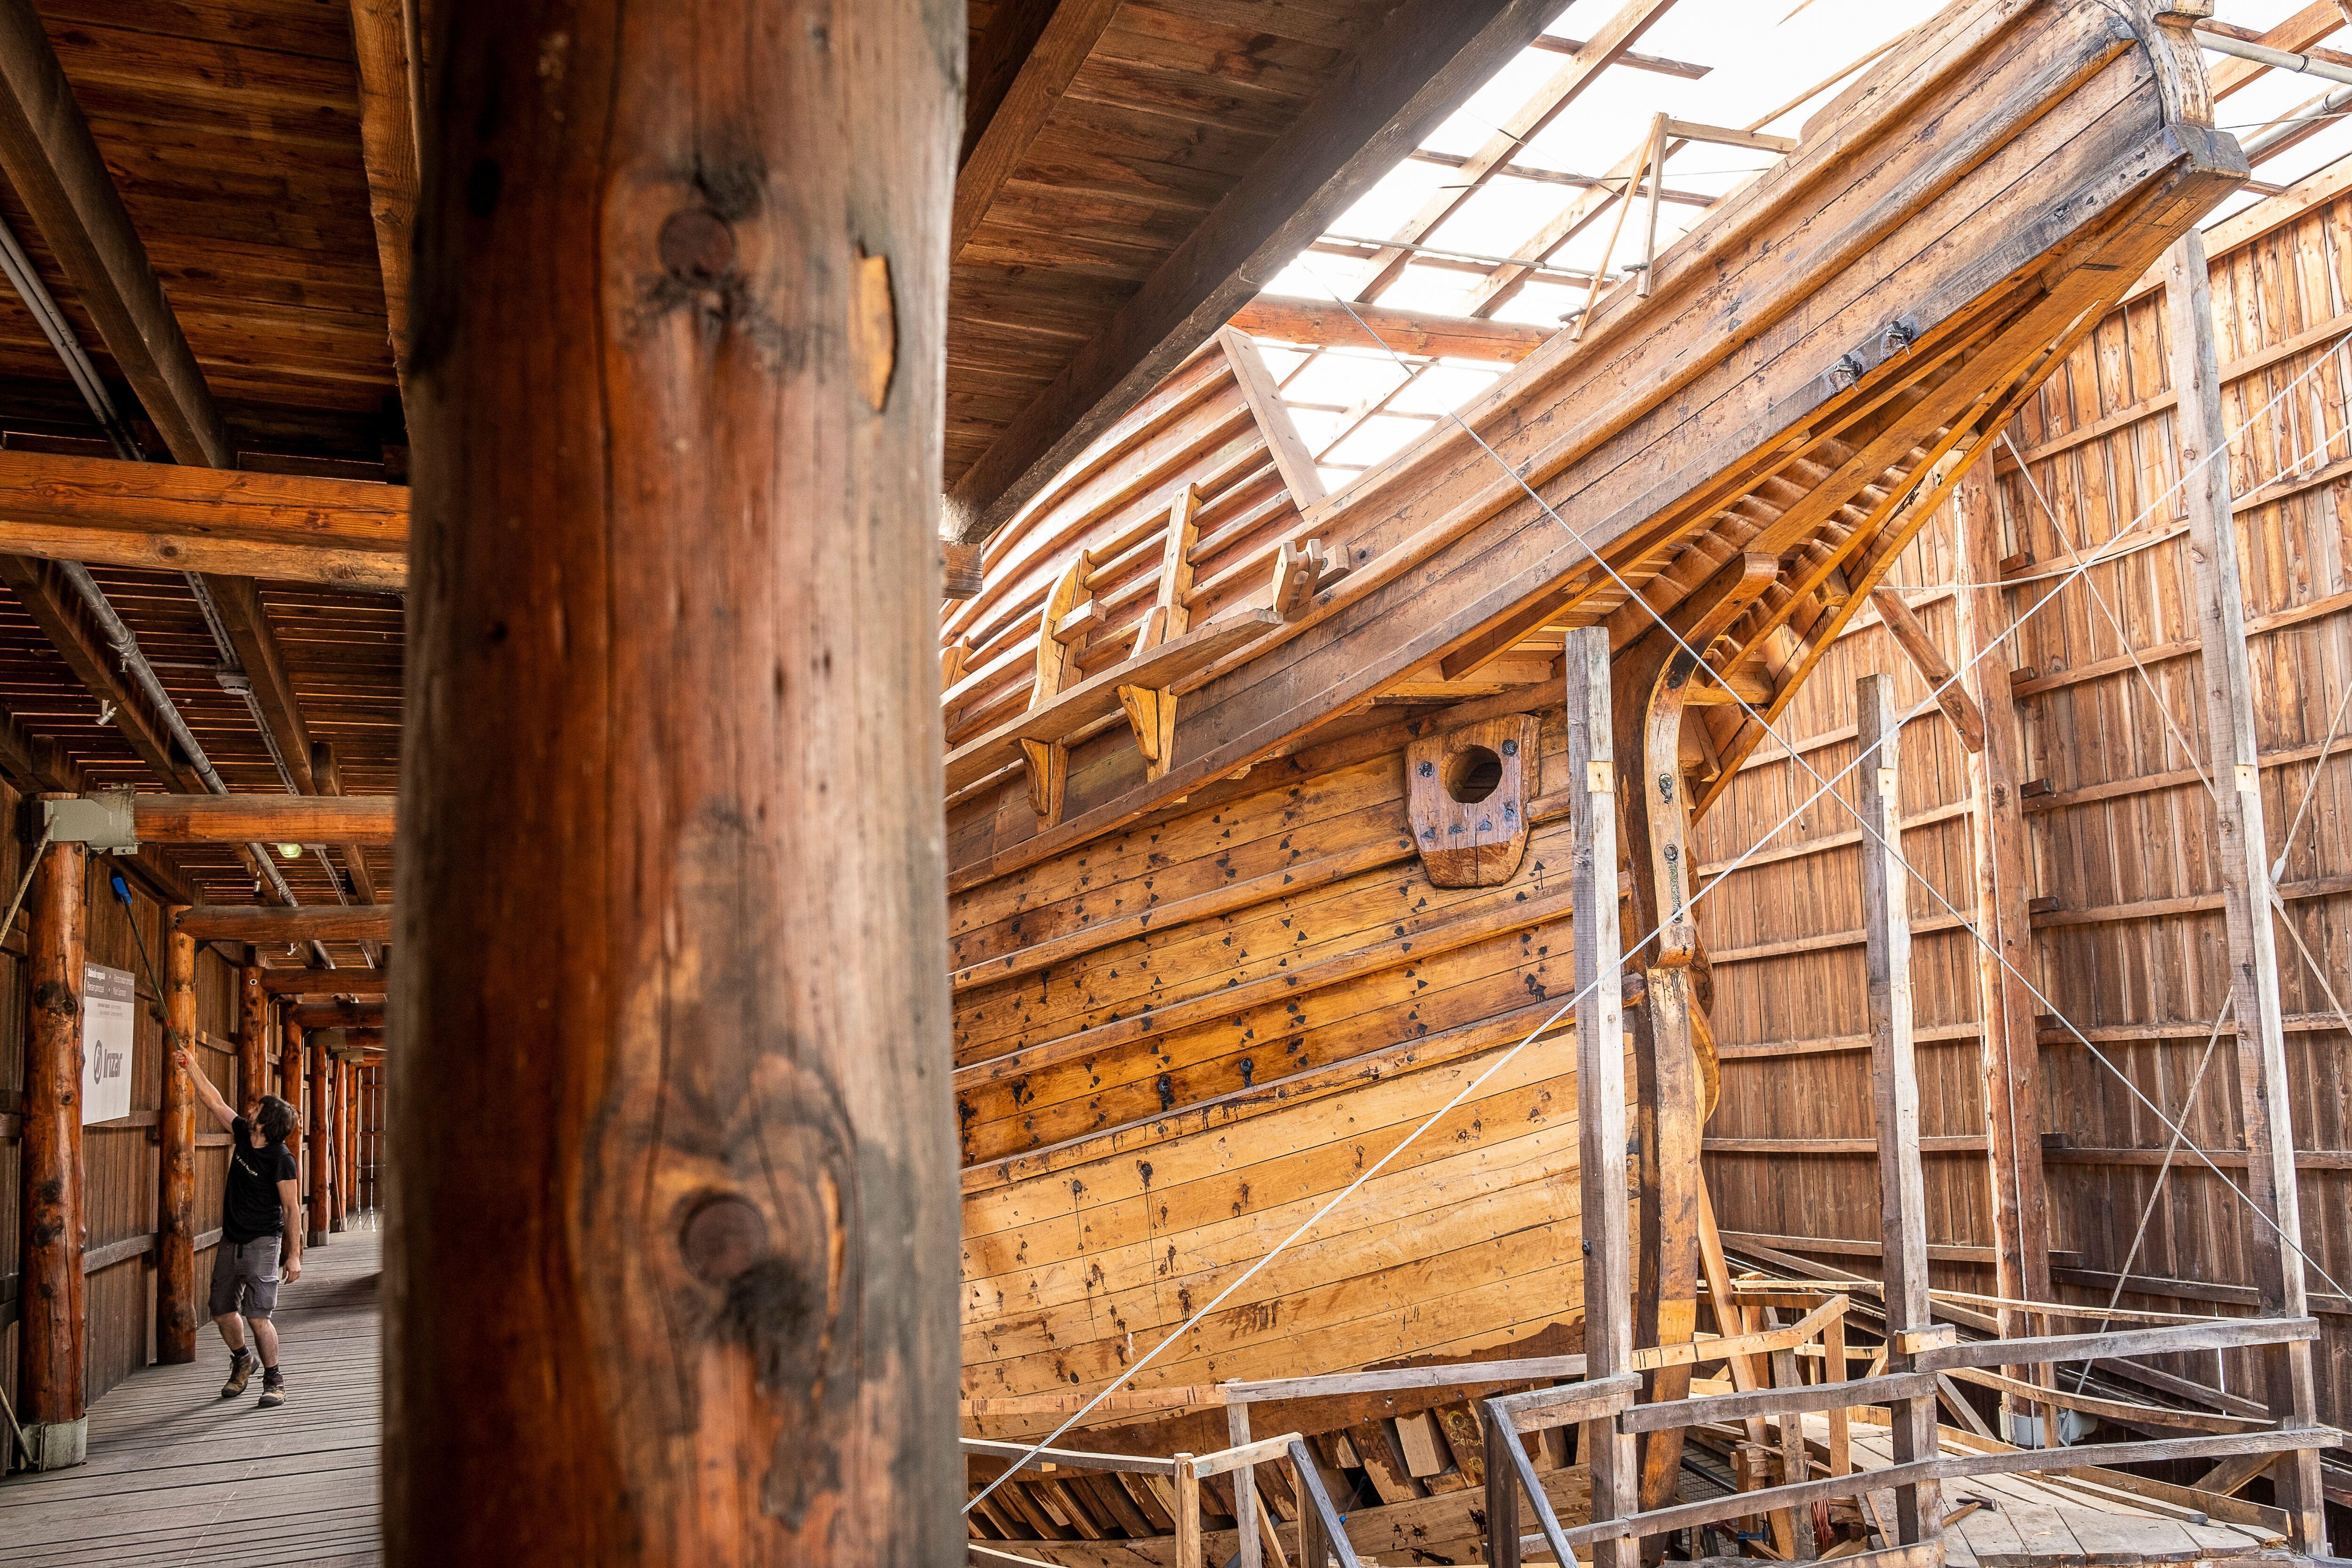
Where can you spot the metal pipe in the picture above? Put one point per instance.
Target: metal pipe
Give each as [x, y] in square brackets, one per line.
[2277, 59]
[2297, 125]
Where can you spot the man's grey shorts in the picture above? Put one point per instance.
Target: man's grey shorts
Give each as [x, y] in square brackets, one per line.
[245, 1279]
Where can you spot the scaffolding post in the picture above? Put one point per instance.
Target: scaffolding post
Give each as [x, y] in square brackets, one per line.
[1894, 1092]
[2220, 606]
[1600, 1073]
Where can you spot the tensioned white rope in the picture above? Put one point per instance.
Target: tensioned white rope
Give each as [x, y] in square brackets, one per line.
[1610, 968]
[2123, 638]
[2147, 1210]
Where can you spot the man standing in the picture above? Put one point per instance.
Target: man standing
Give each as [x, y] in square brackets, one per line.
[260, 1194]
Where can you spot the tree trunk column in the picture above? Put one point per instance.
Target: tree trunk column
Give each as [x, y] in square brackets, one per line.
[671, 900]
[289, 1072]
[252, 1036]
[175, 1206]
[50, 1323]
[322, 1143]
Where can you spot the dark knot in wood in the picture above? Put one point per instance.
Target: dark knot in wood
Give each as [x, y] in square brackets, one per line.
[722, 1238]
[697, 246]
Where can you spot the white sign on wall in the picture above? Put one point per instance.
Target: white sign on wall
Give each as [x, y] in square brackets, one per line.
[109, 1017]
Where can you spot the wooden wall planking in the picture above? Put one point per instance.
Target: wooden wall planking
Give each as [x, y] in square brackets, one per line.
[2120, 841]
[118, 1158]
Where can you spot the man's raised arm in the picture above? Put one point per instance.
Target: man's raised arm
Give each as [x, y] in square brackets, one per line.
[205, 1090]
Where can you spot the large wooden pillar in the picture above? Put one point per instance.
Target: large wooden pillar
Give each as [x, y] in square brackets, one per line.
[348, 1200]
[51, 1387]
[175, 1200]
[671, 902]
[338, 1142]
[289, 1069]
[322, 1150]
[252, 1036]
[2011, 1056]
[1895, 1087]
[2218, 606]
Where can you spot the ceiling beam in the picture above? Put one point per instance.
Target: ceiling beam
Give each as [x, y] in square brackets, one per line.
[325, 982]
[381, 45]
[330, 780]
[1558, 91]
[343, 533]
[268, 926]
[1424, 63]
[49, 156]
[338, 1015]
[262, 819]
[1047, 68]
[1324, 323]
[41, 587]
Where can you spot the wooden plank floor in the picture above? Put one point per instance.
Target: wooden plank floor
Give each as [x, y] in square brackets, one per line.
[178, 1475]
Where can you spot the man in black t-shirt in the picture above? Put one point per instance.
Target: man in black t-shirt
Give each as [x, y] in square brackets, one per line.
[260, 1194]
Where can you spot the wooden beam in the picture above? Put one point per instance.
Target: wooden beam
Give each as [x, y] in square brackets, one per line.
[41, 587]
[2297, 33]
[268, 926]
[343, 533]
[717, 224]
[262, 819]
[51, 1360]
[1911, 636]
[1328, 324]
[1062, 46]
[1562, 89]
[176, 1317]
[51, 159]
[2010, 1066]
[1425, 60]
[324, 982]
[54, 165]
[380, 45]
[330, 780]
[338, 1015]
[1601, 1073]
[2266, 1090]
[1895, 1086]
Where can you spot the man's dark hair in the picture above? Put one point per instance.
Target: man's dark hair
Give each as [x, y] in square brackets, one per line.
[276, 1118]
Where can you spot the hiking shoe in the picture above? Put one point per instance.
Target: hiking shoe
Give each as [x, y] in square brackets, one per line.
[240, 1372]
[273, 1389]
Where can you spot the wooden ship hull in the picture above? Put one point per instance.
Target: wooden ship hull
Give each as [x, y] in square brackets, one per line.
[1257, 796]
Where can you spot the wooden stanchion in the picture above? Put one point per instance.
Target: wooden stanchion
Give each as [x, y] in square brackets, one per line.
[252, 1036]
[51, 1319]
[175, 1200]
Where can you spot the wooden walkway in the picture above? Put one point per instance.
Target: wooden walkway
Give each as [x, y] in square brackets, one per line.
[179, 1475]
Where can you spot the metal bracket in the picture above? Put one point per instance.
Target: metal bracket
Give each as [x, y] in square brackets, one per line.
[101, 820]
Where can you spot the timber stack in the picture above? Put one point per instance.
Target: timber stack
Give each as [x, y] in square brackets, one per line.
[1258, 797]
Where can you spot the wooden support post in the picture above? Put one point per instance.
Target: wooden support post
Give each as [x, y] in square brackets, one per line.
[1894, 1088]
[175, 1161]
[1600, 1077]
[1502, 1493]
[1237, 1434]
[322, 1145]
[670, 907]
[252, 1034]
[2011, 1058]
[1188, 1515]
[51, 1320]
[289, 1073]
[1834, 1370]
[351, 1139]
[2264, 1088]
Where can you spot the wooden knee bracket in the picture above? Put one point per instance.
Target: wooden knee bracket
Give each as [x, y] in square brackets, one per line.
[1151, 714]
[1048, 765]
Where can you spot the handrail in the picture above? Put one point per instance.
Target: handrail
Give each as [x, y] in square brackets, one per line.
[2211, 1333]
[1328, 1538]
[1067, 1458]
